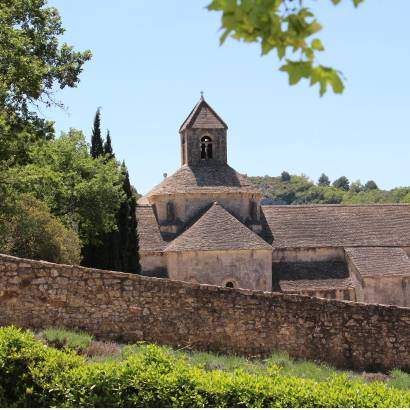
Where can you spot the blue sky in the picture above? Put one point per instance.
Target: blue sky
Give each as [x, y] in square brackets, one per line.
[151, 59]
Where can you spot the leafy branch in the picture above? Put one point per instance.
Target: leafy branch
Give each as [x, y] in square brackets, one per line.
[286, 26]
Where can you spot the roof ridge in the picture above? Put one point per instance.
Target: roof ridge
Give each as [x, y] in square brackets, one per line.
[237, 234]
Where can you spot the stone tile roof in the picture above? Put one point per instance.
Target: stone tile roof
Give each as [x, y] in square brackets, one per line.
[309, 275]
[309, 285]
[204, 179]
[150, 239]
[217, 229]
[293, 226]
[203, 116]
[379, 261]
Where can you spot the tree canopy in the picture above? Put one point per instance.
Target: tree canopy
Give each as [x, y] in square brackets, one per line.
[342, 183]
[30, 230]
[97, 146]
[323, 180]
[32, 60]
[84, 192]
[287, 27]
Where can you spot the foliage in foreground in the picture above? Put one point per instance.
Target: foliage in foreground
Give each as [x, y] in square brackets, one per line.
[288, 27]
[32, 374]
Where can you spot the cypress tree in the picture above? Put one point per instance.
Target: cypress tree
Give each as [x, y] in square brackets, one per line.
[122, 222]
[108, 147]
[134, 265]
[93, 255]
[127, 226]
[119, 250]
[97, 148]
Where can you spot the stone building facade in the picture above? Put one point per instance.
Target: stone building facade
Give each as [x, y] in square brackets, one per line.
[206, 224]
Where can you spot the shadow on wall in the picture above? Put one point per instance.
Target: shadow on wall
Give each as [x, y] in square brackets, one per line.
[157, 273]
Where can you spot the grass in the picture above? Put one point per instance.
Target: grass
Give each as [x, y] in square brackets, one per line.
[63, 338]
[399, 380]
[101, 351]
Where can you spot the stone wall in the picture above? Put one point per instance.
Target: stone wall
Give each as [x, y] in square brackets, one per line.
[189, 206]
[339, 294]
[220, 267]
[131, 307]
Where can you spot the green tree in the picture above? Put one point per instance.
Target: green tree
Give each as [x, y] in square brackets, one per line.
[323, 180]
[356, 186]
[17, 135]
[300, 190]
[108, 147]
[31, 231]
[369, 185]
[285, 26]
[85, 193]
[406, 199]
[285, 176]
[342, 183]
[97, 148]
[32, 60]
[127, 226]
[134, 264]
[118, 249]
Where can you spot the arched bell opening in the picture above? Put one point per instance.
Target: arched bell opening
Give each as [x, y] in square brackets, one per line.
[206, 148]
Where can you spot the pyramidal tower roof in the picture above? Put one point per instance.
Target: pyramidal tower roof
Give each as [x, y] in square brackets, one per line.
[207, 180]
[217, 229]
[203, 116]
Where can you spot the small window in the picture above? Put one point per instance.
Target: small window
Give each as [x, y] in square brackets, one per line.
[206, 147]
[229, 285]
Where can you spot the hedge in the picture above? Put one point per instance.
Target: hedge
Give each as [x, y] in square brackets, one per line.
[34, 375]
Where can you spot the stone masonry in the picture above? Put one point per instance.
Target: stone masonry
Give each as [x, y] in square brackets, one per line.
[130, 307]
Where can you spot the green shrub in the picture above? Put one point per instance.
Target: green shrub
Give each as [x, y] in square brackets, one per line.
[28, 368]
[35, 375]
[59, 338]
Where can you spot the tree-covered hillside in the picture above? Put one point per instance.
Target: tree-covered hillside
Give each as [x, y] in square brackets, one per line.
[299, 189]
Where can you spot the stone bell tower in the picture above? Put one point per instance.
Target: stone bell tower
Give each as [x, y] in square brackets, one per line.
[203, 137]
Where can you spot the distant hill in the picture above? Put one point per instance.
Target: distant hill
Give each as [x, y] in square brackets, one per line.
[299, 189]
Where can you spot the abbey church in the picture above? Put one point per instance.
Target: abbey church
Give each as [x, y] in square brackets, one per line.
[206, 224]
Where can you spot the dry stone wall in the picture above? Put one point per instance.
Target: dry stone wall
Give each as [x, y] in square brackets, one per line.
[131, 307]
